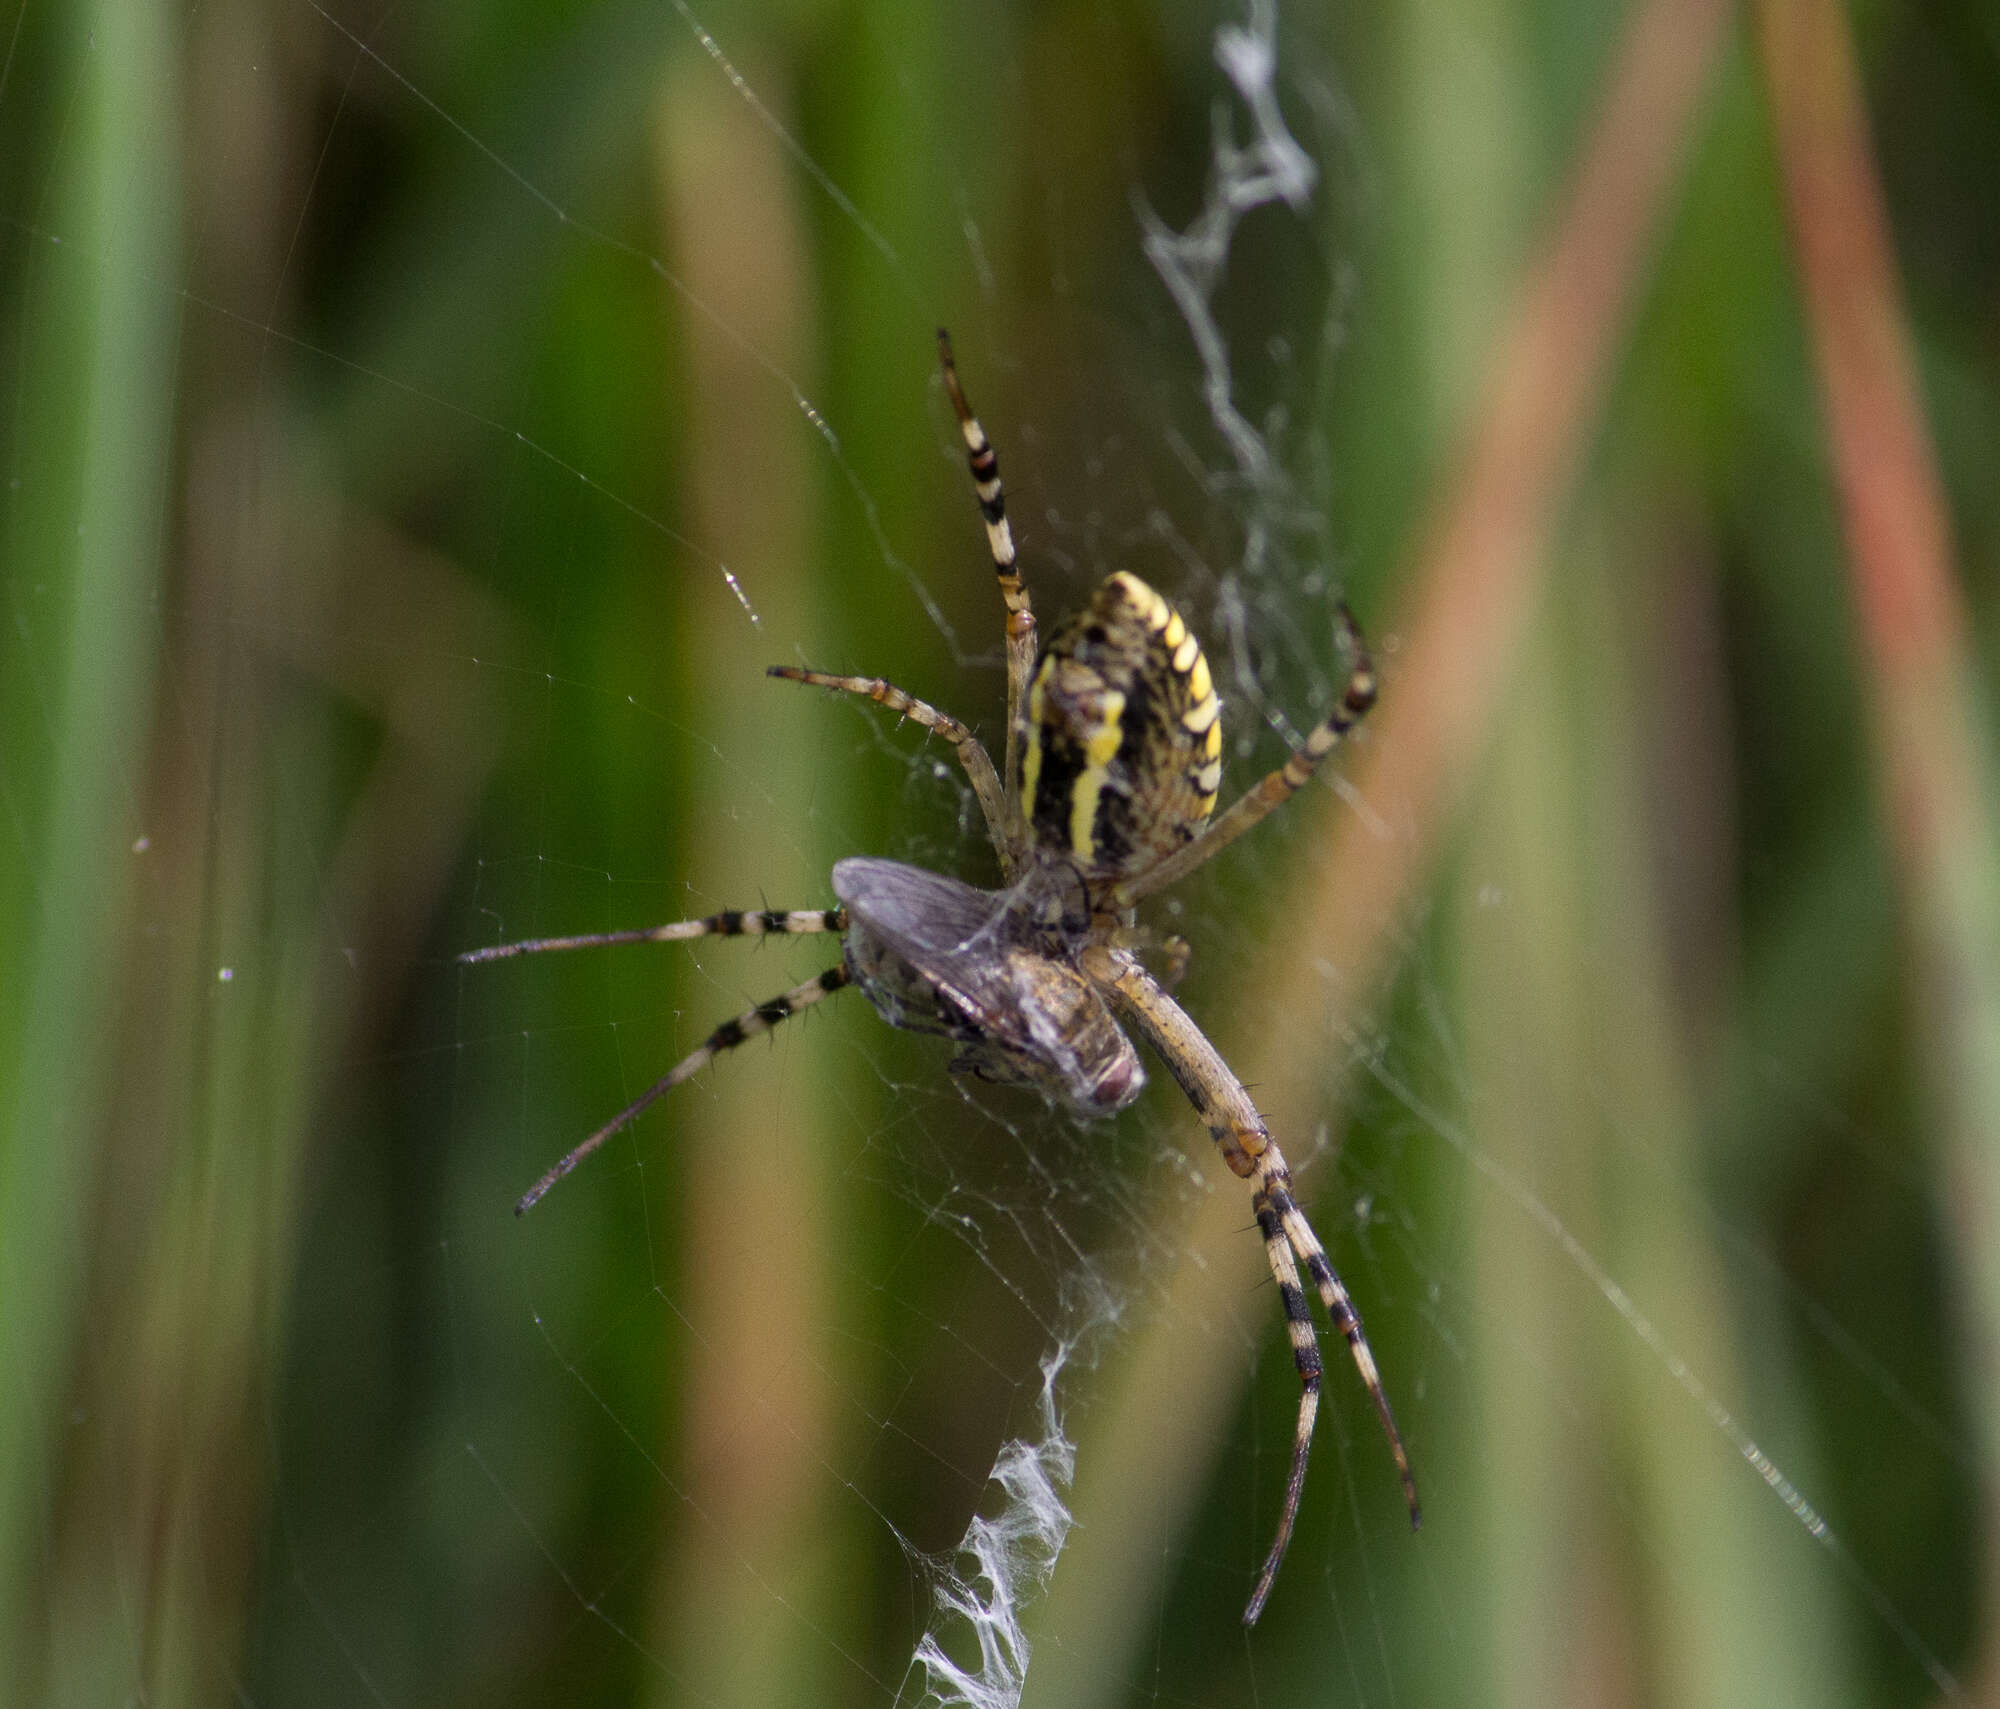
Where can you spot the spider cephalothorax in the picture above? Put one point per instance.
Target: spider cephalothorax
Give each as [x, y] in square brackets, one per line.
[1112, 763]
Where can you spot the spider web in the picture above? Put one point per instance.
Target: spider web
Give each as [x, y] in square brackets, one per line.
[837, 1379]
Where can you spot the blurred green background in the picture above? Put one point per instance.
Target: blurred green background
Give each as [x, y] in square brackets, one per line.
[421, 426]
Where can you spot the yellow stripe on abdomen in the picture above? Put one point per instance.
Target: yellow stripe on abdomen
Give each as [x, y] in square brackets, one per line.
[1031, 752]
[1100, 748]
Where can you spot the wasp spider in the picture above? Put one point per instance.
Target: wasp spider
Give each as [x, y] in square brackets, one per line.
[1111, 768]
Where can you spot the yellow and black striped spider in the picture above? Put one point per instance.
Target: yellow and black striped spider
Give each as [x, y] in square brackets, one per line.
[1112, 763]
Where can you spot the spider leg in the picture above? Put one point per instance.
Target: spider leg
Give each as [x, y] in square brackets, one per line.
[972, 755]
[1238, 1130]
[730, 923]
[728, 1036]
[1273, 791]
[985, 465]
[1305, 1355]
[1340, 1308]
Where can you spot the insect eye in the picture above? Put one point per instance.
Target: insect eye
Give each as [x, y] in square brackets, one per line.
[1119, 1084]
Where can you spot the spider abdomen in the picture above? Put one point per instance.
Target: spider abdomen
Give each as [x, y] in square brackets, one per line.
[1122, 754]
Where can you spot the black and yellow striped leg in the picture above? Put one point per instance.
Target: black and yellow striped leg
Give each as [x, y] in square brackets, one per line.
[730, 923]
[1239, 1132]
[1305, 1354]
[1000, 820]
[1271, 792]
[1340, 1308]
[725, 1037]
[984, 462]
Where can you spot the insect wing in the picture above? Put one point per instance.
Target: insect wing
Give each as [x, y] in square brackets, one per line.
[955, 935]
[924, 915]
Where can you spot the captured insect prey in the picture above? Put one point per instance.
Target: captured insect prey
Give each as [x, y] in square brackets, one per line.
[1105, 795]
